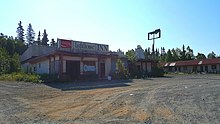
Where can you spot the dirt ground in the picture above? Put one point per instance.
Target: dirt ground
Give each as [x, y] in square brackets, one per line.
[182, 99]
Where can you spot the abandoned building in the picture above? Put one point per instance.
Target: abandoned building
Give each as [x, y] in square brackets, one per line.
[71, 58]
[205, 65]
[75, 59]
[143, 64]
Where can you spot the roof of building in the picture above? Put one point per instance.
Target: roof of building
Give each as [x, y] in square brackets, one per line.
[36, 52]
[191, 62]
[68, 53]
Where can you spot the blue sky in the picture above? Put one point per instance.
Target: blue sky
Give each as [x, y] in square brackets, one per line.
[122, 24]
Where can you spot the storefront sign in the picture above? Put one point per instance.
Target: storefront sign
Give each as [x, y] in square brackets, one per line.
[89, 68]
[84, 46]
[90, 46]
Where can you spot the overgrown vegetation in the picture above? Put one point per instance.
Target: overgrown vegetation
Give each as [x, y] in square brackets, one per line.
[134, 73]
[10, 50]
[21, 77]
[157, 72]
[121, 71]
[9, 55]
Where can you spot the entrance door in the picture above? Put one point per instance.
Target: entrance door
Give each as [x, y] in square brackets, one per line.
[73, 69]
[206, 68]
[102, 69]
[201, 68]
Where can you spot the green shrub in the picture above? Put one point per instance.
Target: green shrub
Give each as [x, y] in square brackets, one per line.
[21, 77]
[121, 71]
[120, 75]
[157, 72]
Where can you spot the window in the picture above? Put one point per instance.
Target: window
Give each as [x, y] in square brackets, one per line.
[39, 65]
[213, 66]
[139, 67]
[206, 68]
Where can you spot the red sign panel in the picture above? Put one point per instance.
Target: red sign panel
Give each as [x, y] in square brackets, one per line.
[66, 44]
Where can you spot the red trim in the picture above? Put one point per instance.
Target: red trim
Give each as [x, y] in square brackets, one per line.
[192, 62]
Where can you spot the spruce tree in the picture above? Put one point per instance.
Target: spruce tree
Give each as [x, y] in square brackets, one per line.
[30, 36]
[189, 53]
[4, 63]
[45, 39]
[52, 43]
[175, 55]
[183, 53]
[211, 55]
[200, 56]
[20, 32]
[38, 39]
[169, 56]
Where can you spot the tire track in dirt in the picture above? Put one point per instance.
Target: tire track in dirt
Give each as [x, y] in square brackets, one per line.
[182, 99]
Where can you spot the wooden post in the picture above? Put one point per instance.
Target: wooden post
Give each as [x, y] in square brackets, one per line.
[49, 64]
[61, 65]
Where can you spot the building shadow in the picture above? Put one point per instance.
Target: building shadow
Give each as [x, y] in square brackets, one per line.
[89, 85]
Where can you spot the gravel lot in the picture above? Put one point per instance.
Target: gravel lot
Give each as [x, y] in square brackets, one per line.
[179, 99]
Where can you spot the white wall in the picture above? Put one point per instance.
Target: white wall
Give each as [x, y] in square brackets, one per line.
[144, 66]
[148, 67]
[189, 68]
[107, 66]
[64, 66]
[209, 68]
[218, 68]
[42, 67]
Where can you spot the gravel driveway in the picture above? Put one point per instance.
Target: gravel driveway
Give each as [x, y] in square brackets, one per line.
[182, 99]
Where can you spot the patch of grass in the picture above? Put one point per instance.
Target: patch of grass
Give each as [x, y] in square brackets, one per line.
[21, 77]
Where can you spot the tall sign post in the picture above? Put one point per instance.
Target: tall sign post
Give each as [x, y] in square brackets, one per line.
[152, 36]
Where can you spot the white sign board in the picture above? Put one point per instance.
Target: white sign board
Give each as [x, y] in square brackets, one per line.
[89, 68]
[90, 46]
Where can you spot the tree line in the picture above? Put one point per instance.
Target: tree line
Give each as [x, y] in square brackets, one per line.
[171, 55]
[30, 36]
[11, 48]
[182, 54]
[10, 51]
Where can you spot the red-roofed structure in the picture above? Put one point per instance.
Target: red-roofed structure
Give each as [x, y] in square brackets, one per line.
[205, 65]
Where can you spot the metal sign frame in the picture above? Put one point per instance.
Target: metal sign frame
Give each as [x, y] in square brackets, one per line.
[154, 33]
